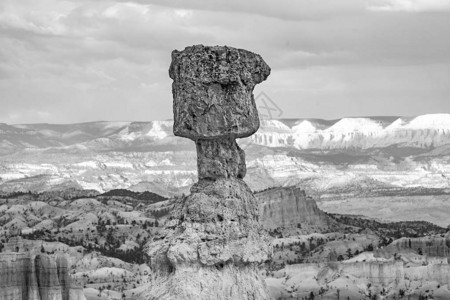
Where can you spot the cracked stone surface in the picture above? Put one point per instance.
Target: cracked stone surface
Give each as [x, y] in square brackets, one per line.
[213, 243]
[220, 158]
[213, 91]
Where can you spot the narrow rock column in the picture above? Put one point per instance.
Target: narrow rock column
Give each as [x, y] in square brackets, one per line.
[213, 244]
[220, 158]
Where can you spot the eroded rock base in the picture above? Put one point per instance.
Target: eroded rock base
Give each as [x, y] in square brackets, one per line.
[205, 283]
[212, 246]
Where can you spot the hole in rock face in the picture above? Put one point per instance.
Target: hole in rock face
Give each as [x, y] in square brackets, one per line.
[170, 269]
[220, 266]
[220, 218]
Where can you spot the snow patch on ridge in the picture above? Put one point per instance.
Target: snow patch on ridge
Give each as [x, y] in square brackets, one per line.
[350, 133]
[359, 125]
[434, 121]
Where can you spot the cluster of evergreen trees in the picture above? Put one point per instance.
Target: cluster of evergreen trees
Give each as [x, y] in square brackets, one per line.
[390, 230]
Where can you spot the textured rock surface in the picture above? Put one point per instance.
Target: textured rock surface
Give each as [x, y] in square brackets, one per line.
[229, 282]
[24, 276]
[383, 273]
[212, 246]
[217, 224]
[220, 158]
[289, 208]
[430, 246]
[212, 91]
[388, 273]
[213, 243]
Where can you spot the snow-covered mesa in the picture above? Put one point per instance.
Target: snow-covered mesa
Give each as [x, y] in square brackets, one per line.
[423, 131]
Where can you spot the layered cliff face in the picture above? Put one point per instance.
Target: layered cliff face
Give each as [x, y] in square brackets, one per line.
[290, 209]
[383, 273]
[430, 246]
[396, 272]
[357, 280]
[378, 273]
[213, 244]
[24, 276]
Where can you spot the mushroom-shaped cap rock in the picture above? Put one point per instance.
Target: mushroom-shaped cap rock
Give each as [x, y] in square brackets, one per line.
[213, 91]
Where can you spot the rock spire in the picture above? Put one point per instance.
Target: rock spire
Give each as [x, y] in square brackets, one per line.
[213, 244]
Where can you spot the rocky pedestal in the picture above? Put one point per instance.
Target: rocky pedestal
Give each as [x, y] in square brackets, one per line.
[213, 244]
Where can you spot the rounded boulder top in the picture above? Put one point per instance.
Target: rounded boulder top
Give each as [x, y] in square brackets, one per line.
[213, 91]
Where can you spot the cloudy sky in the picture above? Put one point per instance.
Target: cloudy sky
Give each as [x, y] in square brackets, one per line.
[86, 60]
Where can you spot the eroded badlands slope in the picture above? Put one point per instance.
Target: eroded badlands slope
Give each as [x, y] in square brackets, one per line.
[103, 238]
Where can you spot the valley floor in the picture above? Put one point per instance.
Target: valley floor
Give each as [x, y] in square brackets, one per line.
[434, 208]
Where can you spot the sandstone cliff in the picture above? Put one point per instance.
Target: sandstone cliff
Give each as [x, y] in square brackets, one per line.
[289, 209]
[396, 272]
[25, 276]
[360, 277]
[432, 246]
[383, 273]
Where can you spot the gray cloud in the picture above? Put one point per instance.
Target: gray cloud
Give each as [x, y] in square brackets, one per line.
[71, 61]
[409, 5]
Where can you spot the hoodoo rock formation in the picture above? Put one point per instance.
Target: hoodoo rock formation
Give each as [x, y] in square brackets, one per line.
[214, 242]
[26, 276]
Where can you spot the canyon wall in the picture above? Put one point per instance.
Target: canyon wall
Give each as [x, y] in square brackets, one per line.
[430, 246]
[289, 207]
[26, 276]
[384, 273]
[437, 272]
[388, 273]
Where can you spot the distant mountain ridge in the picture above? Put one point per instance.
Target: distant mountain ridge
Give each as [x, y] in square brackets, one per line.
[332, 160]
[426, 131]
[356, 133]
